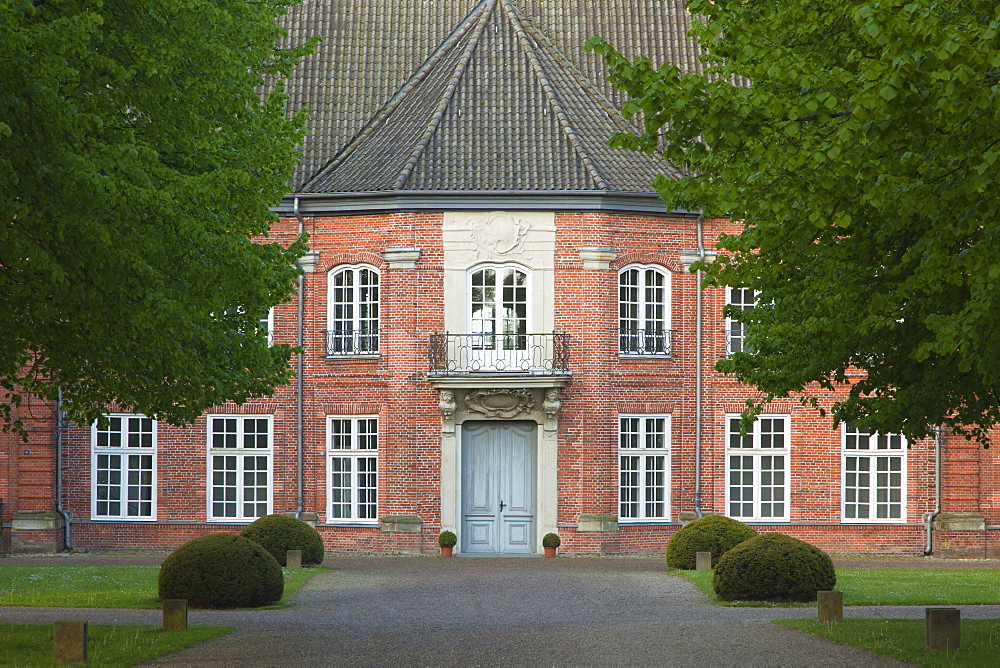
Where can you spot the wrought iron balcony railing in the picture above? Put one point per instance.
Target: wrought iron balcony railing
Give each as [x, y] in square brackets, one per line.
[457, 354]
[658, 342]
[347, 342]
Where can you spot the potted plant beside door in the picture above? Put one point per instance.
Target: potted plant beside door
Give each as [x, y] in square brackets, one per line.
[446, 541]
[550, 542]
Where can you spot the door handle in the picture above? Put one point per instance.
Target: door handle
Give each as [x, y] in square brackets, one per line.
[502, 505]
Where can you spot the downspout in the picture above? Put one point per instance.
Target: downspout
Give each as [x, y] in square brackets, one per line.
[299, 384]
[930, 517]
[697, 373]
[60, 422]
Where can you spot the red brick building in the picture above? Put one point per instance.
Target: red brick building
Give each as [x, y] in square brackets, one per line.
[501, 337]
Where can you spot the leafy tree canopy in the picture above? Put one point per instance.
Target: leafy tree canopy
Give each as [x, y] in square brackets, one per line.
[137, 162]
[863, 162]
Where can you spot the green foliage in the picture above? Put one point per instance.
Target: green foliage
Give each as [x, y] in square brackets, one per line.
[279, 533]
[551, 540]
[711, 533]
[221, 570]
[773, 567]
[138, 159]
[447, 539]
[863, 163]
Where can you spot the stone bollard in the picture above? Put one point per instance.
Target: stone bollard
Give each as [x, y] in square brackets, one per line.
[943, 628]
[70, 642]
[293, 559]
[175, 614]
[830, 606]
[703, 561]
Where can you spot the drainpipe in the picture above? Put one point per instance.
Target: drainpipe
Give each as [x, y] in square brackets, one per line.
[929, 517]
[697, 373]
[299, 385]
[60, 422]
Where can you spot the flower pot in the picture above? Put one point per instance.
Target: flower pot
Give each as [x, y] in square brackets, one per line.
[446, 550]
[550, 552]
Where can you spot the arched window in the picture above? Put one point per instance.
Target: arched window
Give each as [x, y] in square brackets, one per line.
[644, 311]
[352, 311]
[498, 317]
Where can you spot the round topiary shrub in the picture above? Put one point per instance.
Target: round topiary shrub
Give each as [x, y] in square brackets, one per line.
[221, 570]
[773, 567]
[279, 533]
[551, 540]
[447, 539]
[711, 533]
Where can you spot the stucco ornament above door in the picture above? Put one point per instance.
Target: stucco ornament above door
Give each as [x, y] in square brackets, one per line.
[499, 403]
[498, 233]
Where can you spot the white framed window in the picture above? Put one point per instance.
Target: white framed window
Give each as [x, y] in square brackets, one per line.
[267, 325]
[743, 299]
[757, 469]
[352, 469]
[499, 312]
[239, 467]
[644, 311]
[352, 311]
[123, 468]
[643, 468]
[873, 470]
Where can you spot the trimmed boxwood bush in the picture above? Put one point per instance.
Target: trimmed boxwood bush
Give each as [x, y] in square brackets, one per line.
[279, 533]
[773, 567]
[447, 539]
[221, 570]
[551, 540]
[711, 533]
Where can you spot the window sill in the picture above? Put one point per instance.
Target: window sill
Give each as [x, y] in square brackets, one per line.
[142, 520]
[645, 356]
[875, 522]
[643, 522]
[368, 525]
[334, 358]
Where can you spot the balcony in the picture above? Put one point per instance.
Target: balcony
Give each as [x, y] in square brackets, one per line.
[351, 342]
[646, 342]
[499, 354]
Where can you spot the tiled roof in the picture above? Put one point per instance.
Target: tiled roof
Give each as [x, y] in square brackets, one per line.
[457, 95]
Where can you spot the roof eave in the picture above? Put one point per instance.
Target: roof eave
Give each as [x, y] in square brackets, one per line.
[332, 204]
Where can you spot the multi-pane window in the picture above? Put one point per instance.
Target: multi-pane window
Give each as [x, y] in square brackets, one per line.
[498, 305]
[874, 476]
[644, 311]
[757, 469]
[123, 468]
[267, 325]
[353, 311]
[352, 463]
[239, 467]
[743, 299]
[643, 467]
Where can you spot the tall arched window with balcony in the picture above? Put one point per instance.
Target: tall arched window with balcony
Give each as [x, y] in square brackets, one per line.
[644, 311]
[353, 311]
[498, 318]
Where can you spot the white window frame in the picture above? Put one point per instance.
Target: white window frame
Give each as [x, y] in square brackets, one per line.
[267, 324]
[362, 339]
[647, 334]
[875, 456]
[357, 446]
[127, 430]
[756, 469]
[241, 454]
[744, 299]
[645, 440]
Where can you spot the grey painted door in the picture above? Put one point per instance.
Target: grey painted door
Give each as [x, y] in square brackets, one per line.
[498, 487]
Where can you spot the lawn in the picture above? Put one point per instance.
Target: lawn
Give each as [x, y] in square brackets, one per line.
[895, 586]
[31, 645]
[102, 586]
[903, 639]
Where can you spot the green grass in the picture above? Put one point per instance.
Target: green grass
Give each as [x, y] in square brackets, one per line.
[894, 586]
[102, 586]
[903, 639]
[30, 645]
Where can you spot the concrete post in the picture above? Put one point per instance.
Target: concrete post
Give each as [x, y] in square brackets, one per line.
[293, 559]
[70, 642]
[830, 606]
[943, 628]
[703, 561]
[175, 614]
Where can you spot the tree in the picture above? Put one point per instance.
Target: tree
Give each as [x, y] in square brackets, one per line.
[138, 158]
[858, 144]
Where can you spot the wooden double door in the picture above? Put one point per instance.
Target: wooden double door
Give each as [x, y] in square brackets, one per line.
[498, 487]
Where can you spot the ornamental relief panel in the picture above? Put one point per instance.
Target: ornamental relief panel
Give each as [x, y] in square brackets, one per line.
[538, 405]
